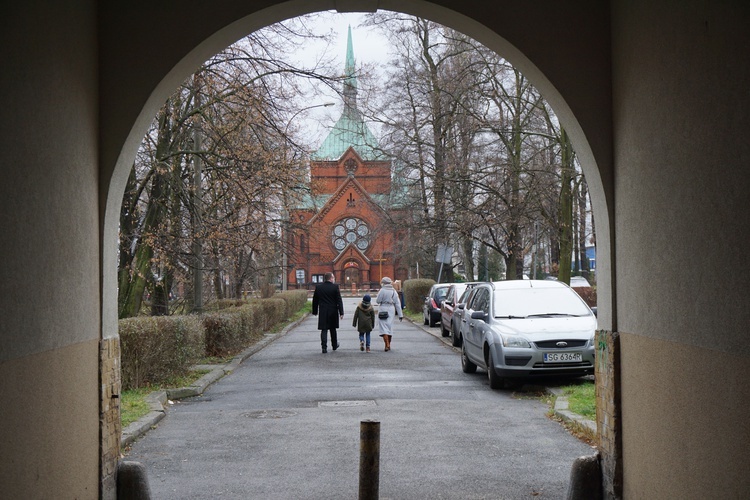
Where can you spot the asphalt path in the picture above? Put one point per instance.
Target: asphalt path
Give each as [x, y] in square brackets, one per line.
[286, 425]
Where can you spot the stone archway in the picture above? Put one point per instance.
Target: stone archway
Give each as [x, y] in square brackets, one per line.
[123, 134]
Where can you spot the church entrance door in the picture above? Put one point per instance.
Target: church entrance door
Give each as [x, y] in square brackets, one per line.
[351, 277]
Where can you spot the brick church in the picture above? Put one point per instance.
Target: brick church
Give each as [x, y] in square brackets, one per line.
[346, 226]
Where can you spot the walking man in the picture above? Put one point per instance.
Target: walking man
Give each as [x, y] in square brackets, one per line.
[329, 308]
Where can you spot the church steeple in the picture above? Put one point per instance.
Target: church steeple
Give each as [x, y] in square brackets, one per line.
[350, 129]
[350, 79]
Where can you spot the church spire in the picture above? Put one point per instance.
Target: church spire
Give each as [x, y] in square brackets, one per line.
[350, 129]
[350, 80]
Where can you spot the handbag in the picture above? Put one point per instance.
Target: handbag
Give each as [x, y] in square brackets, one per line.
[382, 314]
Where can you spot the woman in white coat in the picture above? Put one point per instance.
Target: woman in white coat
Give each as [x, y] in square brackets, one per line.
[388, 302]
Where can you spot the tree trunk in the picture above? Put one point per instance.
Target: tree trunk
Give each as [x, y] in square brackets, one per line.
[566, 208]
[582, 226]
[135, 277]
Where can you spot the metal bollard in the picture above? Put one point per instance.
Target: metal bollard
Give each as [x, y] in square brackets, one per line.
[369, 460]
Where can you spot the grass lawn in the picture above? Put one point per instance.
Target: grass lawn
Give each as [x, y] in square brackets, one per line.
[133, 405]
[582, 398]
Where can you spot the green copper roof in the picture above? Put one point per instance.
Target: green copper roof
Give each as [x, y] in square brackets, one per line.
[350, 130]
[349, 68]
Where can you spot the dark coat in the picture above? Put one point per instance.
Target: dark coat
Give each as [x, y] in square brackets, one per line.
[364, 318]
[327, 305]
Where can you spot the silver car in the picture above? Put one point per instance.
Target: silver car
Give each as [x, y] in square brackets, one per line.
[526, 328]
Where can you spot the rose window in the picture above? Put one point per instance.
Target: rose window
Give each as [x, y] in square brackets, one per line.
[351, 230]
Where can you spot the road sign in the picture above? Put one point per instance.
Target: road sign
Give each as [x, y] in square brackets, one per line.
[444, 254]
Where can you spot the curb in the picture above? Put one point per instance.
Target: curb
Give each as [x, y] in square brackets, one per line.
[158, 401]
[561, 410]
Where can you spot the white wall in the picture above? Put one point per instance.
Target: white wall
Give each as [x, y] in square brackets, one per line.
[49, 256]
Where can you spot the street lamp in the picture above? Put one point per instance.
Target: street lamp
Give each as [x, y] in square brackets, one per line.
[285, 228]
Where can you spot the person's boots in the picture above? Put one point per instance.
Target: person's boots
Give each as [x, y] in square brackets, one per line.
[387, 340]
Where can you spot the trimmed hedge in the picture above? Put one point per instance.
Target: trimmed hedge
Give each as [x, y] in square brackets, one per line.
[223, 333]
[226, 303]
[415, 291]
[294, 299]
[156, 348]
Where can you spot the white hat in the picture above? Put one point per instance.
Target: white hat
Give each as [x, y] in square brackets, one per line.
[386, 280]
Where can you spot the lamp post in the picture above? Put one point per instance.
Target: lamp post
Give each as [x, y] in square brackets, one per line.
[285, 228]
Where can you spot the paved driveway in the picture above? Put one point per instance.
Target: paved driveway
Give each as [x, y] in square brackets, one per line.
[285, 425]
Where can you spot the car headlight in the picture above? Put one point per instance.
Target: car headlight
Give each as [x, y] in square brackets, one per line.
[515, 341]
[592, 340]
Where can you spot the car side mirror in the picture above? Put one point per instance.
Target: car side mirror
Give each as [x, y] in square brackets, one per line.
[479, 315]
[461, 306]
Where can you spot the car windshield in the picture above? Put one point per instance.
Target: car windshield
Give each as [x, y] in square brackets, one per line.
[540, 302]
[440, 293]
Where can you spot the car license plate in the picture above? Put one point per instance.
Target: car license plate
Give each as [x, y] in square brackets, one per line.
[563, 357]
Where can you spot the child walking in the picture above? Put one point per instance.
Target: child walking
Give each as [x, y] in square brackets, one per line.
[364, 320]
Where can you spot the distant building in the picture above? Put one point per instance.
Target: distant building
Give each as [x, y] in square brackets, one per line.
[344, 226]
[591, 256]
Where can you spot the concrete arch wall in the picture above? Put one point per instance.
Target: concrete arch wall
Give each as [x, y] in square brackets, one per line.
[653, 94]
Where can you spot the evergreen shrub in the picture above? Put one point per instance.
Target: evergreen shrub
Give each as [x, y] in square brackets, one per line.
[273, 312]
[156, 348]
[227, 303]
[223, 333]
[251, 322]
[294, 299]
[415, 291]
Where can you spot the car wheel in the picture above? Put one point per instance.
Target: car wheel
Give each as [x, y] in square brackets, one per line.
[444, 330]
[496, 382]
[432, 320]
[426, 321]
[456, 337]
[466, 365]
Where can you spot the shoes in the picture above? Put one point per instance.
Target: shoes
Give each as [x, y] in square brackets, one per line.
[325, 350]
[368, 349]
[361, 346]
[336, 346]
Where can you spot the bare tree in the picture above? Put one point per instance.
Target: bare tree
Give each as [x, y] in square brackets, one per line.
[213, 169]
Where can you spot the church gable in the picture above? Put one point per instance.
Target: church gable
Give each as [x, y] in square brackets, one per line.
[350, 199]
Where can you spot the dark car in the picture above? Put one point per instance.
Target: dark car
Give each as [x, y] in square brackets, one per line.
[448, 308]
[432, 302]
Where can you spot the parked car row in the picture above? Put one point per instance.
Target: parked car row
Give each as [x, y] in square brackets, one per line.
[450, 314]
[433, 301]
[519, 329]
